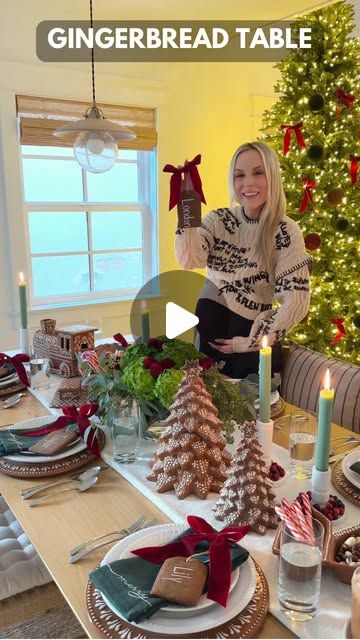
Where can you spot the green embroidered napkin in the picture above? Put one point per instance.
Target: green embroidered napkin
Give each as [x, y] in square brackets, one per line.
[127, 583]
[15, 440]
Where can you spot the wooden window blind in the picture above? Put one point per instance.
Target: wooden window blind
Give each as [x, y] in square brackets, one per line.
[39, 117]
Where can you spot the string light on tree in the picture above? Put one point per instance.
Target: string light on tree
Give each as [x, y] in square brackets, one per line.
[322, 90]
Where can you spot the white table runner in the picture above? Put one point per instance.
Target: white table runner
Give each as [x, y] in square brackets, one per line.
[335, 597]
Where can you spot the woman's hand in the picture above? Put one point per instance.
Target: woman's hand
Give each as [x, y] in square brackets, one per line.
[225, 346]
[234, 345]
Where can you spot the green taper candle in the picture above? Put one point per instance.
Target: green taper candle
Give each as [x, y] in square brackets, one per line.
[22, 300]
[145, 327]
[326, 401]
[265, 382]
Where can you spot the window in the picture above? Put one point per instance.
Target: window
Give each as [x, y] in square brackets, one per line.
[90, 236]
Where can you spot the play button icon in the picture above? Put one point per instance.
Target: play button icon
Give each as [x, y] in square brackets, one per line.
[167, 304]
[178, 320]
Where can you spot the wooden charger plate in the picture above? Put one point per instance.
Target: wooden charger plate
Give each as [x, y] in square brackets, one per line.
[50, 468]
[245, 624]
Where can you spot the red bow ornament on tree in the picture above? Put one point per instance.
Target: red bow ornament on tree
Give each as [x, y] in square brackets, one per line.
[72, 415]
[307, 197]
[339, 323]
[354, 168]
[219, 553]
[176, 179]
[344, 98]
[289, 129]
[17, 363]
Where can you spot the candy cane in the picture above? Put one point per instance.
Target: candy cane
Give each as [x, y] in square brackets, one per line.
[307, 531]
[307, 506]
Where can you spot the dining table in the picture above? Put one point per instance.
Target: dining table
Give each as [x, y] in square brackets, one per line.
[56, 527]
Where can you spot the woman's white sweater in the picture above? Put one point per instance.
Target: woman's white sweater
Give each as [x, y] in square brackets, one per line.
[226, 244]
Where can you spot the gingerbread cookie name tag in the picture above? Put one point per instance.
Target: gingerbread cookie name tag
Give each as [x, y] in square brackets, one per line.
[189, 210]
[54, 442]
[180, 580]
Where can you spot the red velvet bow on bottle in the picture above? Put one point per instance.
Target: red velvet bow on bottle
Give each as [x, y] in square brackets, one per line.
[339, 323]
[307, 197]
[176, 179]
[81, 418]
[219, 553]
[121, 340]
[354, 167]
[296, 128]
[17, 363]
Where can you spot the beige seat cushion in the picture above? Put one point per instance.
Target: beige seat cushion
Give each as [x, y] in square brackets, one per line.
[302, 380]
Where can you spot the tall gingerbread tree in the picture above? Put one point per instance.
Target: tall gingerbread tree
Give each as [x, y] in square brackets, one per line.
[246, 497]
[191, 457]
[315, 128]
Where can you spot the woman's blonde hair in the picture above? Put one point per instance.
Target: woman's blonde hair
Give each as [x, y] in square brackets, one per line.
[275, 206]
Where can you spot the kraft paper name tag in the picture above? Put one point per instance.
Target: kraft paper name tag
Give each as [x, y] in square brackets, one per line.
[180, 580]
[189, 210]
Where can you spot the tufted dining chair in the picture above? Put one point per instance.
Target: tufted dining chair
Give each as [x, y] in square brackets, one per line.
[302, 377]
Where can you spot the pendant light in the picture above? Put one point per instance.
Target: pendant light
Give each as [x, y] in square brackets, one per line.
[95, 146]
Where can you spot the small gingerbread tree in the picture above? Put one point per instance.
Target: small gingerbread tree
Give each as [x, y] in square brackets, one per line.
[191, 457]
[246, 497]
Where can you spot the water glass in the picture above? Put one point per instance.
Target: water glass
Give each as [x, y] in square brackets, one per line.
[302, 439]
[39, 373]
[300, 573]
[124, 428]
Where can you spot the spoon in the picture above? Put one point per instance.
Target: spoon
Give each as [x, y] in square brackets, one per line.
[83, 486]
[85, 475]
[9, 402]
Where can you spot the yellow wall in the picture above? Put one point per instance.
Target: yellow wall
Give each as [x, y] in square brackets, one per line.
[212, 109]
[202, 108]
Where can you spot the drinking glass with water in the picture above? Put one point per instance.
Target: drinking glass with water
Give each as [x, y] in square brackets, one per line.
[300, 573]
[302, 439]
[124, 427]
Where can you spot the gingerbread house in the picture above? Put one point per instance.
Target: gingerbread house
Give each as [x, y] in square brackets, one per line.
[62, 345]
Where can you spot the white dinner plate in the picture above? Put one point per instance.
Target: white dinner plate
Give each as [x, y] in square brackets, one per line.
[351, 476]
[174, 610]
[5, 382]
[158, 623]
[35, 423]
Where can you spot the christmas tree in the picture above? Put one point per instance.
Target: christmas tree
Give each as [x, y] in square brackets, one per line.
[246, 497]
[191, 457]
[315, 128]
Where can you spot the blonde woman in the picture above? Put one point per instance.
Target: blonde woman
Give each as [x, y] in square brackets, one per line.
[255, 255]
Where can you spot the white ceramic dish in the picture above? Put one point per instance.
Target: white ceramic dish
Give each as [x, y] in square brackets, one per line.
[173, 610]
[199, 622]
[351, 476]
[35, 423]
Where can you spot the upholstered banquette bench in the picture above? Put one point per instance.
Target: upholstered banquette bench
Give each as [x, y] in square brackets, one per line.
[302, 378]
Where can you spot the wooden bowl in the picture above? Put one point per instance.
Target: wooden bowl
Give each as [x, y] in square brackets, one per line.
[342, 571]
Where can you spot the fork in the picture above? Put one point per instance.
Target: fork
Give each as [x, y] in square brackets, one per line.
[342, 444]
[84, 549]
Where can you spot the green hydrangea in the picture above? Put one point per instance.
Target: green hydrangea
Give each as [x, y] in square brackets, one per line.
[179, 352]
[139, 380]
[166, 386]
[133, 353]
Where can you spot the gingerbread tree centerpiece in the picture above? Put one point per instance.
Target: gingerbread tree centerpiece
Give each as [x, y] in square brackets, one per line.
[246, 497]
[191, 457]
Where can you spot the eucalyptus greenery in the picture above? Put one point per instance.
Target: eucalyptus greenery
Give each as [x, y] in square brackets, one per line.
[107, 387]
